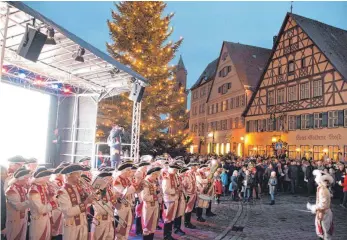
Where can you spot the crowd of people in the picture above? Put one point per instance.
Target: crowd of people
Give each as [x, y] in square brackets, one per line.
[73, 201]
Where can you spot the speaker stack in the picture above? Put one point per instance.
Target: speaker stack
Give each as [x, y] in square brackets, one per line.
[32, 44]
[136, 93]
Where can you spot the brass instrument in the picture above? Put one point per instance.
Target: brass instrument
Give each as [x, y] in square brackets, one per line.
[210, 177]
[96, 195]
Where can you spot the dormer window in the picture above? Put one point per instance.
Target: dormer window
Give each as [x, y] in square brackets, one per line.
[291, 67]
[224, 88]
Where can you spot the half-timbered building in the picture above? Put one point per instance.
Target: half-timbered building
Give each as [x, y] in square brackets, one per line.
[300, 104]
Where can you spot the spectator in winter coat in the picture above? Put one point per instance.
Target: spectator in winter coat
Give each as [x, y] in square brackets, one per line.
[294, 176]
[286, 182]
[344, 185]
[224, 179]
[218, 189]
[309, 178]
[233, 185]
[272, 186]
[339, 177]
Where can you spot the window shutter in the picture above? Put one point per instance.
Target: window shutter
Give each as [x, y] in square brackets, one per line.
[298, 122]
[247, 126]
[220, 73]
[311, 120]
[219, 89]
[229, 68]
[229, 85]
[325, 119]
[340, 119]
[264, 125]
[255, 126]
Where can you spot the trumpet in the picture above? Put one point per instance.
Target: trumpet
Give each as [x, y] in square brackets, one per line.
[95, 221]
[96, 195]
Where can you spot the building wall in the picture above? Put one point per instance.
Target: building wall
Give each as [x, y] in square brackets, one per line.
[302, 117]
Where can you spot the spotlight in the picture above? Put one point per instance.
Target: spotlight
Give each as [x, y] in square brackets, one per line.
[50, 36]
[55, 86]
[66, 90]
[21, 75]
[114, 71]
[79, 55]
[133, 79]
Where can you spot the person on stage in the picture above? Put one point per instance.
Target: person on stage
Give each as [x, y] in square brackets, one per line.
[189, 185]
[57, 146]
[123, 187]
[73, 202]
[114, 141]
[170, 198]
[150, 209]
[324, 215]
[17, 205]
[41, 205]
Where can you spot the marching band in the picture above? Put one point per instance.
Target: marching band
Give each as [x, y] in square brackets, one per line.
[74, 202]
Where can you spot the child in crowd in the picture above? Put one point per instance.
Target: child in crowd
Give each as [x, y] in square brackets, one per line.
[233, 185]
[218, 188]
[224, 179]
[272, 186]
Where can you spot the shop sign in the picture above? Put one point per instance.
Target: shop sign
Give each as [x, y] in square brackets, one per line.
[317, 137]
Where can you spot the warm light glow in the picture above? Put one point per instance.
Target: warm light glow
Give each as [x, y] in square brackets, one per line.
[209, 148]
[191, 149]
[242, 138]
[210, 134]
[222, 149]
[217, 148]
[227, 148]
[255, 149]
[298, 149]
[325, 150]
[239, 153]
[274, 139]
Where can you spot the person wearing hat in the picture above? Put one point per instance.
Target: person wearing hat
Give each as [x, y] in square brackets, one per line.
[31, 164]
[150, 209]
[139, 176]
[41, 204]
[3, 176]
[202, 183]
[14, 163]
[170, 197]
[104, 208]
[123, 187]
[189, 185]
[324, 215]
[85, 163]
[73, 203]
[56, 182]
[181, 203]
[17, 205]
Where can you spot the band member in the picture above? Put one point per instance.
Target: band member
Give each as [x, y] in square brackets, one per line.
[14, 163]
[103, 226]
[31, 164]
[201, 182]
[73, 203]
[85, 163]
[56, 183]
[123, 187]
[324, 215]
[170, 198]
[181, 203]
[114, 141]
[189, 185]
[41, 205]
[139, 176]
[150, 209]
[17, 205]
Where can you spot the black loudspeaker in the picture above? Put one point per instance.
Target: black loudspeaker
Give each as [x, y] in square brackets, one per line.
[32, 44]
[136, 93]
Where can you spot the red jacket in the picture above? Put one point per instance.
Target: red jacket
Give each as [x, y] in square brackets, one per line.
[218, 188]
[344, 184]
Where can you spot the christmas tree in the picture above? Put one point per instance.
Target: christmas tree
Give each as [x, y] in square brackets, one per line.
[140, 39]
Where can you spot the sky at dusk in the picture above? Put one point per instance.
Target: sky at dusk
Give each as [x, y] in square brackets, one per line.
[203, 25]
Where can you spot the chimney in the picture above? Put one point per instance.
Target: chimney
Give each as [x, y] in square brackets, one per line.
[274, 39]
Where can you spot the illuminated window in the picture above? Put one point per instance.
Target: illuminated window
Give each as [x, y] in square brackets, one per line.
[217, 148]
[222, 148]
[227, 148]
[333, 151]
[292, 151]
[318, 152]
[305, 151]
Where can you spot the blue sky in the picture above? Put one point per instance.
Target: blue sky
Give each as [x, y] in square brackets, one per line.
[204, 25]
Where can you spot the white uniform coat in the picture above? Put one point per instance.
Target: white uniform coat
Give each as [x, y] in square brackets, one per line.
[150, 209]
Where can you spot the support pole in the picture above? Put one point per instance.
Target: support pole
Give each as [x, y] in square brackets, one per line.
[4, 37]
[135, 132]
[73, 129]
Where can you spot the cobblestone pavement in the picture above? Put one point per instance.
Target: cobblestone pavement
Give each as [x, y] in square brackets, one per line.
[257, 220]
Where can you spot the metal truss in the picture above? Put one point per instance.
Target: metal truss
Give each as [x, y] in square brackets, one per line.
[135, 132]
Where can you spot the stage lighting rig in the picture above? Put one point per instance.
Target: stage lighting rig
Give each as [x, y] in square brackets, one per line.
[79, 55]
[50, 36]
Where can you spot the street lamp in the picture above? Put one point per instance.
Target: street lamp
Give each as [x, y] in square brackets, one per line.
[211, 134]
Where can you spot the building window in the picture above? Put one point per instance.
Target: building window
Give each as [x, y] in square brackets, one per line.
[237, 101]
[317, 120]
[303, 62]
[305, 90]
[333, 151]
[237, 122]
[292, 93]
[291, 123]
[318, 152]
[260, 125]
[345, 118]
[291, 67]
[345, 151]
[202, 91]
[224, 124]
[231, 123]
[292, 151]
[305, 151]
[333, 119]
[271, 97]
[227, 104]
[317, 88]
[242, 100]
[270, 125]
[216, 107]
[305, 121]
[279, 70]
[224, 72]
[251, 150]
[242, 122]
[195, 94]
[280, 95]
[231, 103]
[261, 150]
